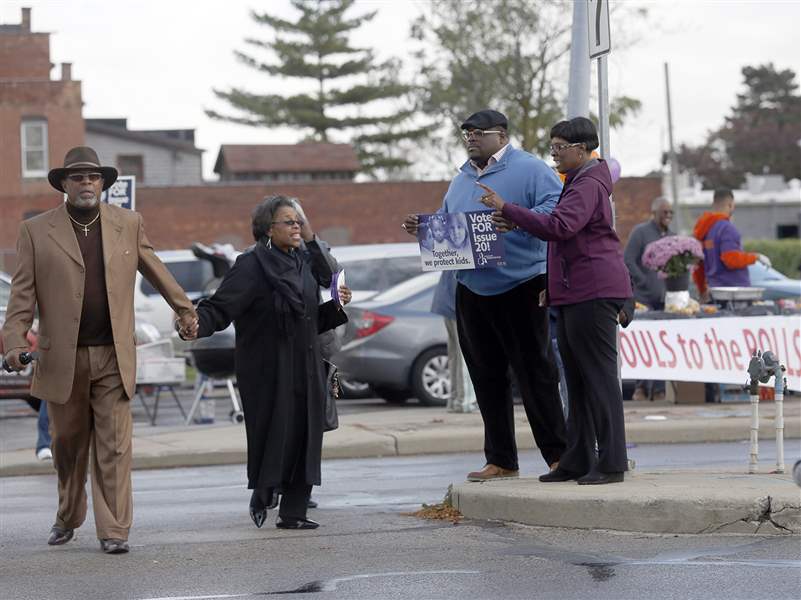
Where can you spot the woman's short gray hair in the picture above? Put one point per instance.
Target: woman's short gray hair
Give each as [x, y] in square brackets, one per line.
[264, 214]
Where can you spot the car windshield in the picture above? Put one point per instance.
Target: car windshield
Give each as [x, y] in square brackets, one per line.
[407, 288]
[191, 275]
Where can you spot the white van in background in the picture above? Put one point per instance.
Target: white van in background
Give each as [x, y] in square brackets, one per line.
[192, 274]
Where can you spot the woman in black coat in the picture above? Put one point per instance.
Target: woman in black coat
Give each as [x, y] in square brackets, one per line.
[271, 295]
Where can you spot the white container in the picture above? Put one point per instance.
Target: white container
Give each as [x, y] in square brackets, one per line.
[161, 370]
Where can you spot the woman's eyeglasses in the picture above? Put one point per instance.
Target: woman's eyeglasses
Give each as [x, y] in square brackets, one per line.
[477, 134]
[559, 147]
[79, 177]
[291, 222]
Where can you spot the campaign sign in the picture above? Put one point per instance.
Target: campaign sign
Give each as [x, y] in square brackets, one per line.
[450, 241]
[122, 193]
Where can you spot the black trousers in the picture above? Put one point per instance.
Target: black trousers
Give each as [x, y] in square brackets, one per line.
[503, 331]
[586, 333]
[294, 501]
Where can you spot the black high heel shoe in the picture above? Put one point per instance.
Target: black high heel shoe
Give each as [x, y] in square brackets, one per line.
[260, 502]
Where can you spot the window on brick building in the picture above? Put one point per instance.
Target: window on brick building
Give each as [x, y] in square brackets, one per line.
[132, 164]
[33, 137]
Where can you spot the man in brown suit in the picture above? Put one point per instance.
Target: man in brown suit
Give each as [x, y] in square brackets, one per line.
[78, 263]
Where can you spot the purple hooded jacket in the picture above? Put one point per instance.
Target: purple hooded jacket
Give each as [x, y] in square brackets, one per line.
[585, 258]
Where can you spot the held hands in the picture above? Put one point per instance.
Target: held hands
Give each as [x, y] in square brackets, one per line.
[187, 326]
[410, 223]
[345, 295]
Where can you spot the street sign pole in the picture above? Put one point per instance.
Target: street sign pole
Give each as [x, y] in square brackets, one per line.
[600, 46]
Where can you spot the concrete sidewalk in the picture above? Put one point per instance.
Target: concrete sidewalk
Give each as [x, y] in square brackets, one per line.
[655, 502]
[409, 431]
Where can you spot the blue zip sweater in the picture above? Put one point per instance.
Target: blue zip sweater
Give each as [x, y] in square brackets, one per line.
[520, 178]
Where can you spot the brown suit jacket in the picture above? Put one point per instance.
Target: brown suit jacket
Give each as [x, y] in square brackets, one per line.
[50, 274]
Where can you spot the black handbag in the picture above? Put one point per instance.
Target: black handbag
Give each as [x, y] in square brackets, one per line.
[330, 416]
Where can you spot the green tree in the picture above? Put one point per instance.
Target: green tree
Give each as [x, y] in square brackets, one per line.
[512, 56]
[315, 48]
[761, 135]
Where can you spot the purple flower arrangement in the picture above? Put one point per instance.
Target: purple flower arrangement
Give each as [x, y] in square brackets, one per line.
[673, 255]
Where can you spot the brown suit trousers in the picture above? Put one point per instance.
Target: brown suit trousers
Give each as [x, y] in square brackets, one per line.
[97, 417]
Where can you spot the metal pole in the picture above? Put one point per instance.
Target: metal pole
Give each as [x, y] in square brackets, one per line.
[779, 420]
[674, 167]
[578, 94]
[753, 390]
[603, 120]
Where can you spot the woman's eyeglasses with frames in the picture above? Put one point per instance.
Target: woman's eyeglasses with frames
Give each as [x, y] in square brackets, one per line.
[291, 222]
[559, 147]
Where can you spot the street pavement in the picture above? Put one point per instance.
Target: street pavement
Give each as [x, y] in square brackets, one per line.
[193, 539]
[690, 500]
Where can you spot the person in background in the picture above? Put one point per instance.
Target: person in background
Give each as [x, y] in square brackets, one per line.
[649, 289]
[272, 294]
[43, 439]
[589, 284]
[725, 263]
[462, 397]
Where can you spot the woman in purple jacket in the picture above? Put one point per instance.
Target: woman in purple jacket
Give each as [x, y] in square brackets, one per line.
[588, 284]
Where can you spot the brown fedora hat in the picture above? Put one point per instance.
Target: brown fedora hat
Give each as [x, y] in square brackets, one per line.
[81, 158]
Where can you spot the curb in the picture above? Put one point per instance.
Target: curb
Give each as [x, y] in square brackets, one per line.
[194, 448]
[649, 502]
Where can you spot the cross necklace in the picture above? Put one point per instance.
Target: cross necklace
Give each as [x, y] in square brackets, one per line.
[84, 226]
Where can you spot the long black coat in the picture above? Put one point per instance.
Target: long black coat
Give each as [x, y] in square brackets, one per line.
[281, 379]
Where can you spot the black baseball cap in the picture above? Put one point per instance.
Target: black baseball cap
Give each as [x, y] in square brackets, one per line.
[484, 119]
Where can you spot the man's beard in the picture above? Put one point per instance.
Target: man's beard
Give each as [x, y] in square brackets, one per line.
[85, 203]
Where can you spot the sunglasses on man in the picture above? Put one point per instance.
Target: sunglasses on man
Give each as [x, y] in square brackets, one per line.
[79, 177]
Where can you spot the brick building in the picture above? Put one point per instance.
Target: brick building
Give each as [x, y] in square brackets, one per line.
[40, 118]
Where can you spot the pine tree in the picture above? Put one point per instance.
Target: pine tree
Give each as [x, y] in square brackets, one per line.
[316, 48]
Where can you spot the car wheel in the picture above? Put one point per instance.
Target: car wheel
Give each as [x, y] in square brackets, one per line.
[392, 396]
[431, 380]
[353, 389]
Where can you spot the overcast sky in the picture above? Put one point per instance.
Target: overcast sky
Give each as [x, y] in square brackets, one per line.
[156, 61]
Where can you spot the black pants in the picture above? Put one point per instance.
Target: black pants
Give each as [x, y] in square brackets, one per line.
[294, 501]
[503, 331]
[587, 333]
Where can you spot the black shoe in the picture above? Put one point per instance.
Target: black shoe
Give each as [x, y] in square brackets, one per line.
[112, 546]
[558, 474]
[598, 478]
[295, 523]
[311, 503]
[59, 535]
[260, 502]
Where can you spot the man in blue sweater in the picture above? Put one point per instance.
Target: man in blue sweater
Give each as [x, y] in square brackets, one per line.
[501, 325]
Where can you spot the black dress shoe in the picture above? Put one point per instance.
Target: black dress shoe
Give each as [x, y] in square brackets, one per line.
[599, 478]
[558, 474]
[311, 503]
[260, 502]
[59, 535]
[295, 523]
[113, 546]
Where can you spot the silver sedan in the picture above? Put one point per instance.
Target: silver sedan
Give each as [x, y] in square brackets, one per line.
[397, 345]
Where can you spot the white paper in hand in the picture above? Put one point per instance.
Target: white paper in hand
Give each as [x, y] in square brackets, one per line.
[337, 281]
